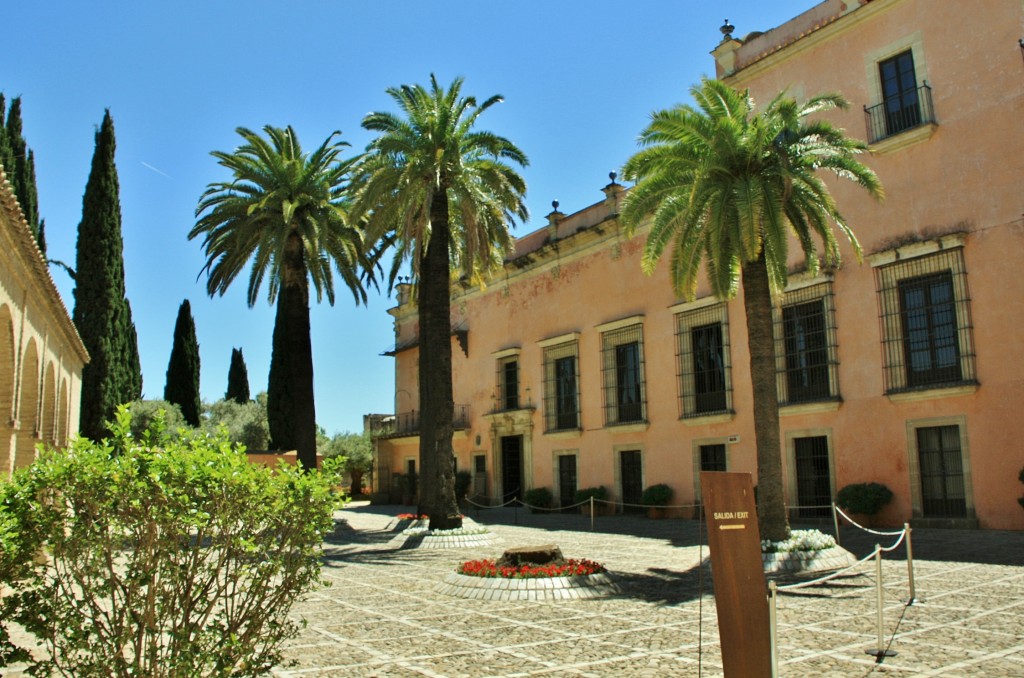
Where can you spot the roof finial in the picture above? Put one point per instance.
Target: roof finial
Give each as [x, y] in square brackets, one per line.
[727, 29]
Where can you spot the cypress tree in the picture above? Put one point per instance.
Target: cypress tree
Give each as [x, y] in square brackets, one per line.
[102, 313]
[24, 175]
[238, 378]
[183, 369]
[6, 157]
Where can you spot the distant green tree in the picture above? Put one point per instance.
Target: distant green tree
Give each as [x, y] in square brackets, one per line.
[357, 449]
[287, 211]
[246, 423]
[102, 314]
[143, 414]
[238, 378]
[182, 386]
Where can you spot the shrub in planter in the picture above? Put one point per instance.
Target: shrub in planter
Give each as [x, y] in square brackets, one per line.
[599, 492]
[164, 557]
[864, 498]
[539, 497]
[657, 495]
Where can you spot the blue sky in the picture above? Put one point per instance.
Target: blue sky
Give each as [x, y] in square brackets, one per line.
[579, 79]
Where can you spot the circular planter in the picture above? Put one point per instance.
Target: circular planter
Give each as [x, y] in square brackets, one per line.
[791, 562]
[578, 587]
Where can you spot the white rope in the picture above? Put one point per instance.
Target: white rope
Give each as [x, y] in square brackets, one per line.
[488, 506]
[659, 506]
[548, 508]
[856, 524]
[903, 535]
[833, 575]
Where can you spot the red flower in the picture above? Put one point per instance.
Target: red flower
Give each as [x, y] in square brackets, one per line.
[569, 568]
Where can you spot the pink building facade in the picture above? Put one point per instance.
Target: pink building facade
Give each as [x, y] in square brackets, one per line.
[573, 369]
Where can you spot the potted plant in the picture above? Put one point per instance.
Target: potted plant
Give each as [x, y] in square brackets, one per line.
[538, 498]
[656, 498]
[863, 499]
[600, 495]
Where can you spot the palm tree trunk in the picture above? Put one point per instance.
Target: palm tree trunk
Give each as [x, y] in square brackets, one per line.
[757, 304]
[291, 409]
[437, 460]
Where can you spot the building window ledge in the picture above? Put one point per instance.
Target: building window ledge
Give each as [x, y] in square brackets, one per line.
[904, 139]
[628, 427]
[562, 434]
[933, 393]
[810, 408]
[704, 420]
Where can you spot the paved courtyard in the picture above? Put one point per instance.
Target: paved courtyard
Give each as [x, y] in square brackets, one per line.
[383, 615]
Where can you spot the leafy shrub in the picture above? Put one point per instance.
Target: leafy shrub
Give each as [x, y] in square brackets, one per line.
[164, 557]
[539, 497]
[865, 498]
[599, 492]
[657, 495]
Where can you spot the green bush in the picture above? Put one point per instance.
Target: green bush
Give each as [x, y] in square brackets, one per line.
[865, 498]
[539, 497]
[1020, 500]
[163, 557]
[657, 495]
[586, 493]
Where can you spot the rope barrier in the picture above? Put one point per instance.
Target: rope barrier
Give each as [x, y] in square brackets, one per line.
[831, 575]
[858, 525]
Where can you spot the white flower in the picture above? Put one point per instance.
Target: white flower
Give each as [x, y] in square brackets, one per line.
[800, 540]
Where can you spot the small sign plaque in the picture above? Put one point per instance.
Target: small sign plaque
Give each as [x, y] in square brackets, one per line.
[740, 591]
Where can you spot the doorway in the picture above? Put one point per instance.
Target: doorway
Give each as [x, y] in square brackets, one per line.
[631, 475]
[511, 468]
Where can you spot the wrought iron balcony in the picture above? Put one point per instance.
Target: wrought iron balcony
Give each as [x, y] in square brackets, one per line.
[406, 424]
[897, 114]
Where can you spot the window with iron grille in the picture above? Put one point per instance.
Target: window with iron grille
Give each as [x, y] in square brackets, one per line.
[926, 322]
[624, 391]
[561, 387]
[508, 383]
[703, 361]
[813, 477]
[805, 346]
[712, 457]
[942, 472]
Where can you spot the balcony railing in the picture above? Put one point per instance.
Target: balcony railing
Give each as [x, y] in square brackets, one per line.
[408, 423]
[899, 113]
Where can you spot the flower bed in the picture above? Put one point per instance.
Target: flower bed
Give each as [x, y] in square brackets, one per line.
[571, 567]
[800, 540]
[804, 551]
[412, 516]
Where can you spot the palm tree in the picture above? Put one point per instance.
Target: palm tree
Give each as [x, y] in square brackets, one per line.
[445, 193]
[726, 186]
[287, 211]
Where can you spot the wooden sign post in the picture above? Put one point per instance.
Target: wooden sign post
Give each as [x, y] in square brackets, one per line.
[738, 572]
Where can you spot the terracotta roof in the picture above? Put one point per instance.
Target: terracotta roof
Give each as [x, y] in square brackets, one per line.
[29, 249]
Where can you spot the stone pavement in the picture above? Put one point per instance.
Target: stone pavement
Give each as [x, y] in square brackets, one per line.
[384, 616]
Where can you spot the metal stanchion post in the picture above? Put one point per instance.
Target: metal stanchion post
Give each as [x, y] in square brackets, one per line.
[879, 653]
[591, 513]
[910, 565]
[515, 510]
[835, 522]
[773, 627]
